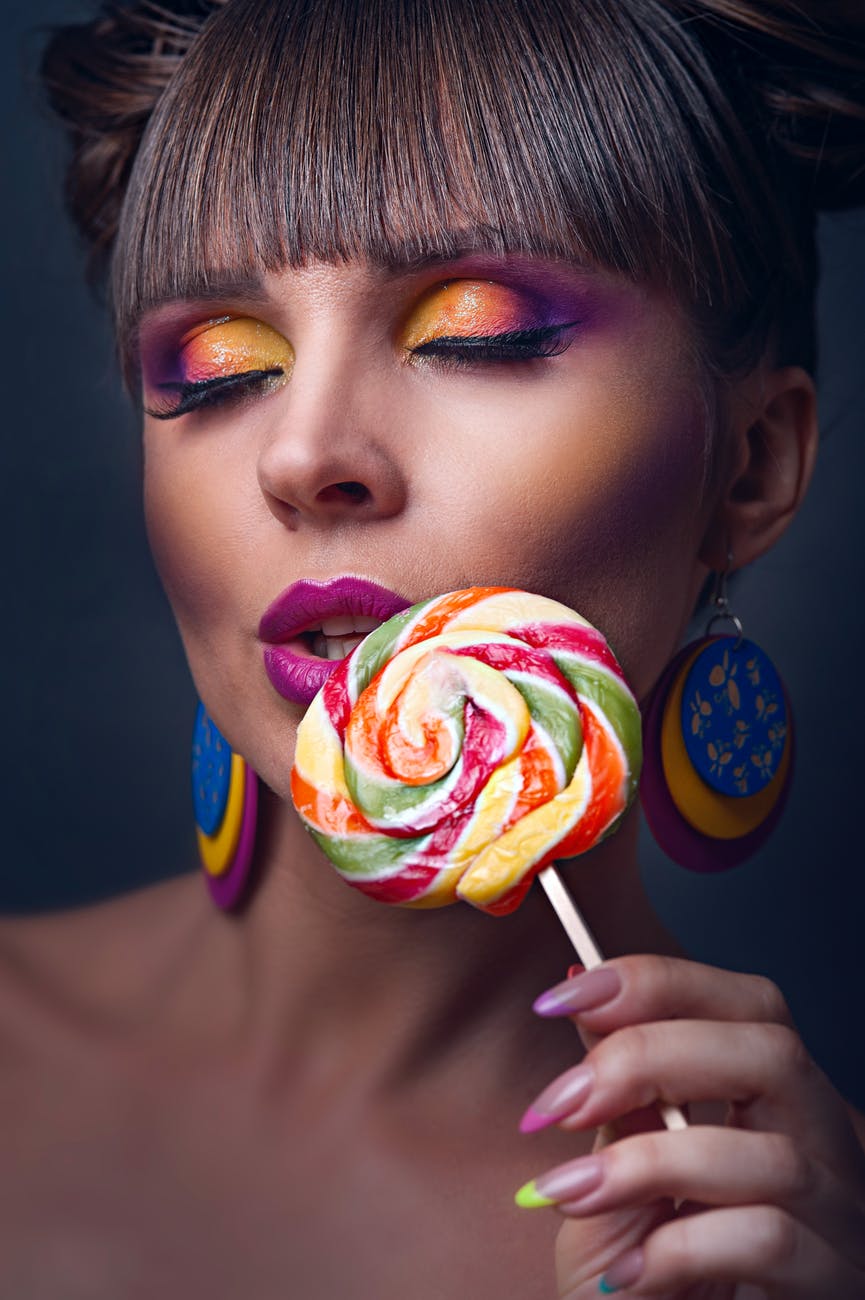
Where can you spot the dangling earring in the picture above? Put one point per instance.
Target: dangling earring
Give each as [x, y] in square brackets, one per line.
[717, 748]
[225, 799]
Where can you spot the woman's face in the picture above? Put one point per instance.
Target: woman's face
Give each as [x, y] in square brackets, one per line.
[489, 420]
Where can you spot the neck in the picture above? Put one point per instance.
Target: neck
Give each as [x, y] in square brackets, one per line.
[311, 960]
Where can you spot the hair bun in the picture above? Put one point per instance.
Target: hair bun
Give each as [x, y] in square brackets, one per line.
[804, 64]
[103, 79]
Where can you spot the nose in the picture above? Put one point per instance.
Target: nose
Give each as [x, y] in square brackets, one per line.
[327, 457]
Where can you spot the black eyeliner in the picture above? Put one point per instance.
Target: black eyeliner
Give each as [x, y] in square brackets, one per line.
[512, 345]
[201, 392]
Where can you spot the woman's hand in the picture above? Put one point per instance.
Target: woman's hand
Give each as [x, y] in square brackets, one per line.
[773, 1195]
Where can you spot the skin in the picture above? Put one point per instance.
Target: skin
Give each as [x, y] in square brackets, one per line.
[328, 1070]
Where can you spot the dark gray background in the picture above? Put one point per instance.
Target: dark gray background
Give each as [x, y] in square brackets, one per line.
[99, 705]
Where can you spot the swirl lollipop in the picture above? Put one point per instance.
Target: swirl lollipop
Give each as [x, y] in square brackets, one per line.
[463, 745]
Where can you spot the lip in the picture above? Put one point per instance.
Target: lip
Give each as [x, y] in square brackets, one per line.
[296, 674]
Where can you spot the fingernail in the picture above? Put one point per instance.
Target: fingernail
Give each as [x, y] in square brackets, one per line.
[562, 1096]
[529, 1198]
[576, 969]
[582, 993]
[624, 1272]
[564, 1183]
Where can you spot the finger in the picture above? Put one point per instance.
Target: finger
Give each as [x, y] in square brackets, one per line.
[637, 1121]
[712, 1166]
[759, 1244]
[637, 989]
[586, 1248]
[644, 1120]
[640, 989]
[763, 1069]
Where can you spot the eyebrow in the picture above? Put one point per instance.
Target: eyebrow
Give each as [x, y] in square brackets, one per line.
[415, 254]
[403, 259]
[207, 288]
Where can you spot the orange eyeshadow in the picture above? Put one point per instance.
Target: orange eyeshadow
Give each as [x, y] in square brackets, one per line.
[232, 347]
[468, 309]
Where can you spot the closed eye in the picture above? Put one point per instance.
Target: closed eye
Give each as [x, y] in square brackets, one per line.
[222, 390]
[513, 345]
[457, 349]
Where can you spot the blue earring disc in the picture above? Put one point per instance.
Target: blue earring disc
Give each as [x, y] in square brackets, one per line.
[211, 772]
[734, 717]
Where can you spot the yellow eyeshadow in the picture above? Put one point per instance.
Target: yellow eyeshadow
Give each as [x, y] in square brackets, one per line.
[465, 309]
[232, 347]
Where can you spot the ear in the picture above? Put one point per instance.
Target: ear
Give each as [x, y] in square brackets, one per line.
[773, 445]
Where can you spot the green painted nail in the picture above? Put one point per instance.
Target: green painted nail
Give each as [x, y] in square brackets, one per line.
[605, 1288]
[530, 1198]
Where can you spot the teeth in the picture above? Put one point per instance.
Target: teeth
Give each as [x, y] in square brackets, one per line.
[337, 625]
[333, 647]
[345, 624]
[340, 633]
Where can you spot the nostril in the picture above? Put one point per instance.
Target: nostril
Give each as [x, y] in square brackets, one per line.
[351, 491]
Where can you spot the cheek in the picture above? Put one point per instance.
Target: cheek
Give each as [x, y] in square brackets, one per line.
[192, 538]
[203, 523]
[170, 528]
[603, 510]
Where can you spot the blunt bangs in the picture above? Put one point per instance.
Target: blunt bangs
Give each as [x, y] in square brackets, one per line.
[395, 130]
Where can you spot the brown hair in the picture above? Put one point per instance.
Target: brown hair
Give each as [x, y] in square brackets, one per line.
[682, 143]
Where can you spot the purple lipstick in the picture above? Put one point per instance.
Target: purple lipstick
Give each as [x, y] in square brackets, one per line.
[311, 627]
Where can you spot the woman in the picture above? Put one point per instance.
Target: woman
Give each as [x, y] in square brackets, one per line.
[416, 298]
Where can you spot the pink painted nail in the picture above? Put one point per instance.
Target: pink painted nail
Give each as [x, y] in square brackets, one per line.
[571, 1181]
[564, 1095]
[582, 993]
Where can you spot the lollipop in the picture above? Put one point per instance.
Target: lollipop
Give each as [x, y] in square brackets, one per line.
[464, 745]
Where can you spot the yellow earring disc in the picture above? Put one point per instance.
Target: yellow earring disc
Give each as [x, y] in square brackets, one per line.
[217, 851]
[720, 816]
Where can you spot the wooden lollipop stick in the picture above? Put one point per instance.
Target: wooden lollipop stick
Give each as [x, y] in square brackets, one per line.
[590, 955]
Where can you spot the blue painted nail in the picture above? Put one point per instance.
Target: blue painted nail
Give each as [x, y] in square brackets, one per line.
[624, 1272]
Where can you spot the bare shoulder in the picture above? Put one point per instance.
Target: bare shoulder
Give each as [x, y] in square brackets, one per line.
[101, 957]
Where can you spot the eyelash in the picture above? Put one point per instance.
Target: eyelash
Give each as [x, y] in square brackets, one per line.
[221, 391]
[514, 345]
[456, 350]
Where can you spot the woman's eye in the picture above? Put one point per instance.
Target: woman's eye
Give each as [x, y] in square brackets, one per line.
[219, 362]
[223, 390]
[514, 345]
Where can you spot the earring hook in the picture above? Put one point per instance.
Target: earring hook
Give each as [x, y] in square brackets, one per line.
[721, 601]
